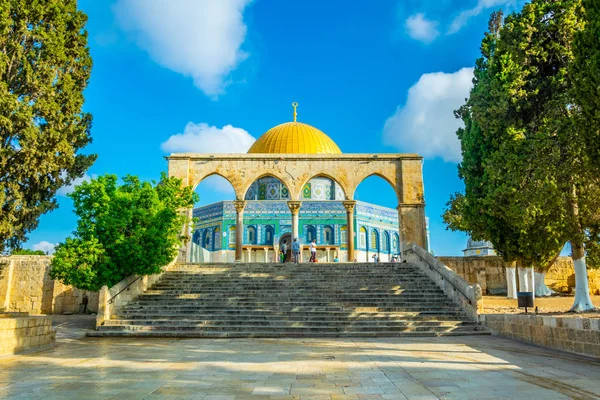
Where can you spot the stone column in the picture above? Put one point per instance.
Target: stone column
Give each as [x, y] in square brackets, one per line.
[411, 204]
[266, 249]
[249, 251]
[411, 220]
[294, 209]
[327, 258]
[239, 229]
[349, 205]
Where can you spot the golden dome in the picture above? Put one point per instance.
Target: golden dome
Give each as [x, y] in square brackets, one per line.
[295, 138]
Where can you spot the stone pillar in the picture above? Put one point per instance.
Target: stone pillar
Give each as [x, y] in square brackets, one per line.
[275, 253]
[239, 229]
[294, 208]
[349, 205]
[266, 249]
[327, 258]
[9, 275]
[411, 204]
[249, 252]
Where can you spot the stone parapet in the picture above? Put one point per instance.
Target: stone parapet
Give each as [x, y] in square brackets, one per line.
[489, 273]
[113, 299]
[572, 334]
[468, 297]
[19, 333]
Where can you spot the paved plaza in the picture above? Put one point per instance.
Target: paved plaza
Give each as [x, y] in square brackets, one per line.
[418, 368]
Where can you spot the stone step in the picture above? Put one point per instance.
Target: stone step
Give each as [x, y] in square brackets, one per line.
[300, 316]
[289, 329]
[275, 334]
[277, 299]
[190, 322]
[291, 300]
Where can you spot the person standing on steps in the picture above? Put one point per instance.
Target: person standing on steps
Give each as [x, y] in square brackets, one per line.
[296, 250]
[313, 250]
[283, 251]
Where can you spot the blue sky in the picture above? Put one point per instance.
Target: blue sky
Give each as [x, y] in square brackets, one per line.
[213, 75]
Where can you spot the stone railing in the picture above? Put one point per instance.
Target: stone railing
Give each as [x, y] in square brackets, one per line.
[468, 297]
[114, 298]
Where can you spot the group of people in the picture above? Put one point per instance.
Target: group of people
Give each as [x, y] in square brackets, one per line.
[296, 251]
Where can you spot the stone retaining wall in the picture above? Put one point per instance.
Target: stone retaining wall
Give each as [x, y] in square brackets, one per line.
[25, 286]
[489, 273]
[18, 333]
[576, 335]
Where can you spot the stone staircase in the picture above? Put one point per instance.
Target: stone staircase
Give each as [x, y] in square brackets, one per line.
[291, 300]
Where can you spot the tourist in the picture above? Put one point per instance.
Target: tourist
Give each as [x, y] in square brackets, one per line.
[375, 258]
[313, 250]
[283, 251]
[336, 259]
[296, 250]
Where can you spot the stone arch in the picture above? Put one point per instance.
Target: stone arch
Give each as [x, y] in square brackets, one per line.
[304, 181]
[380, 175]
[231, 181]
[249, 181]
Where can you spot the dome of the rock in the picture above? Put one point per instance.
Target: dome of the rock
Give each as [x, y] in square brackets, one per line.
[295, 138]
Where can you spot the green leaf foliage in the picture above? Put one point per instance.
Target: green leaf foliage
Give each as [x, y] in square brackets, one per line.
[123, 230]
[28, 252]
[529, 185]
[586, 76]
[44, 67]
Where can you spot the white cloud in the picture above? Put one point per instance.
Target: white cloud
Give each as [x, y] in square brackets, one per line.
[65, 190]
[461, 19]
[421, 29]
[45, 246]
[202, 138]
[197, 38]
[426, 124]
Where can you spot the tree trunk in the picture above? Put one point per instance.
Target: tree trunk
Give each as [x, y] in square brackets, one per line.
[583, 301]
[511, 280]
[541, 290]
[526, 280]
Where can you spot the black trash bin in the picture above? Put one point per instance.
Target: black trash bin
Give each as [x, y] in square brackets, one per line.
[525, 299]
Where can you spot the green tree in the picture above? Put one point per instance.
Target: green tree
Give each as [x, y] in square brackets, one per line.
[27, 252]
[529, 186]
[123, 230]
[44, 67]
[586, 76]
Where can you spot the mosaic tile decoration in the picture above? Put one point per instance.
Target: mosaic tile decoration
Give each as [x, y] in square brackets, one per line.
[306, 193]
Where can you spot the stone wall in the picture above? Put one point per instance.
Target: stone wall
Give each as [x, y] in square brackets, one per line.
[18, 333]
[489, 273]
[25, 286]
[576, 335]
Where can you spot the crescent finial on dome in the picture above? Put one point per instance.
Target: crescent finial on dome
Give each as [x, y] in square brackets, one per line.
[294, 104]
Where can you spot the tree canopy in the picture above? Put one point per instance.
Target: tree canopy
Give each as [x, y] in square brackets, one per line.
[529, 187]
[123, 230]
[27, 252]
[44, 67]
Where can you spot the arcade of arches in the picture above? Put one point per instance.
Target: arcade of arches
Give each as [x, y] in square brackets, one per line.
[295, 183]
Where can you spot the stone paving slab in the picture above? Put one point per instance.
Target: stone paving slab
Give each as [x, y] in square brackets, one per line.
[410, 368]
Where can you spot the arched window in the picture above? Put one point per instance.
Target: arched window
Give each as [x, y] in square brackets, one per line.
[217, 238]
[251, 235]
[344, 235]
[232, 230]
[269, 235]
[386, 242]
[328, 235]
[374, 240]
[362, 238]
[311, 233]
[196, 237]
[206, 239]
[395, 247]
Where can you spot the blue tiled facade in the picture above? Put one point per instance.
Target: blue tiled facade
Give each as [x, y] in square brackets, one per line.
[266, 222]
